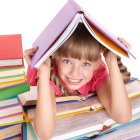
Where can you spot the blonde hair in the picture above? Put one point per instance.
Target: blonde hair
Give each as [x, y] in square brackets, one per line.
[80, 45]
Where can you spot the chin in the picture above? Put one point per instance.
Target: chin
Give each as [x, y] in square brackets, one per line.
[73, 87]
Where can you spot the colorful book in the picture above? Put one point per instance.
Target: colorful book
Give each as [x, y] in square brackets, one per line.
[67, 127]
[14, 119]
[11, 53]
[11, 111]
[68, 19]
[9, 102]
[75, 125]
[12, 83]
[30, 97]
[11, 71]
[68, 107]
[10, 131]
[12, 78]
[123, 131]
[16, 137]
[129, 131]
[14, 90]
[24, 131]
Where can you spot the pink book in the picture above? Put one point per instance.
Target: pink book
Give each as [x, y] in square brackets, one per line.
[62, 23]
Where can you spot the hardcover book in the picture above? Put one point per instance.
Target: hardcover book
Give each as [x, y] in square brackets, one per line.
[64, 24]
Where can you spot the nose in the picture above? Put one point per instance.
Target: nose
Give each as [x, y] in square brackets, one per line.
[75, 70]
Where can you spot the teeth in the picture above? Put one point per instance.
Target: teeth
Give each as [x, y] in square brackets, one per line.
[74, 80]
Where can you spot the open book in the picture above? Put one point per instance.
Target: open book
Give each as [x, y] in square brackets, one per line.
[74, 107]
[68, 19]
[30, 97]
[83, 123]
[88, 124]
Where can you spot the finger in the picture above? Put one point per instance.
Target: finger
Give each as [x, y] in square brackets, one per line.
[124, 42]
[28, 59]
[30, 51]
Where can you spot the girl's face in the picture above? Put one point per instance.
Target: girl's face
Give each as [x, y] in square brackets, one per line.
[75, 73]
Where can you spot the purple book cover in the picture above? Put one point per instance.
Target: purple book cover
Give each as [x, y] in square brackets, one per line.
[59, 23]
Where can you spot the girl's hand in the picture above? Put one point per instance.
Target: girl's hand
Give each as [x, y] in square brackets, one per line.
[110, 56]
[124, 42]
[28, 54]
[45, 66]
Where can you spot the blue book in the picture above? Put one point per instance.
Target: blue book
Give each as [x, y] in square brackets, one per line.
[14, 137]
[9, 102]
[24, 131]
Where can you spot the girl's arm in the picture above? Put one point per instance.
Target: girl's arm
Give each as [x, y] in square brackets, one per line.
[44, 121]
[112, 92]
[45, 114]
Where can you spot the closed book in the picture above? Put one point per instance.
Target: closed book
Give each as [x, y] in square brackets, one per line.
[12, 78]
[18, 118]
[11, 53]
[11, 71]
[10, 111]
[12, 83]
[14, 90]
[10, 131]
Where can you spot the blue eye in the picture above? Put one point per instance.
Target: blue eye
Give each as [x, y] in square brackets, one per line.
[66, 61]
[86, 64]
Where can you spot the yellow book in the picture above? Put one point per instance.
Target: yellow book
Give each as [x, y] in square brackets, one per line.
[12, 83]
[75, 106]
[70, 127]
[10, 131]
[12, 78]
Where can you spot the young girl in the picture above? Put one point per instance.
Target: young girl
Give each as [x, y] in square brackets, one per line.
[77, 68]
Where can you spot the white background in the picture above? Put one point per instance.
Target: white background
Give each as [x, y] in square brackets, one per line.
[30, 17]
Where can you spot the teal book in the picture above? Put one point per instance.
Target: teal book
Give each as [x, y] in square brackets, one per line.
[31, 135]
[24, 131]
[12, 91]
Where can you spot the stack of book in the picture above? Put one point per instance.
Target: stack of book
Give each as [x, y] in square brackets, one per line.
[12, 82]
[77, 117]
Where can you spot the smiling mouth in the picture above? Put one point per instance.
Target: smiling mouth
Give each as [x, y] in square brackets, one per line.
[74, 81]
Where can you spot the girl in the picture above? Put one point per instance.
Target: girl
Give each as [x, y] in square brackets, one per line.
[77, 68]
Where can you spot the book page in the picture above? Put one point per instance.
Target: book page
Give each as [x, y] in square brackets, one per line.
[123, 133]
[76, 123]
[103, 39]
[135, 105]
[32, 95]
[77, 106]
[68, 31]
[133, 88]
[104, 117]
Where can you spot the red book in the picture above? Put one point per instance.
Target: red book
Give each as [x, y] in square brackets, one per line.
[11, 53]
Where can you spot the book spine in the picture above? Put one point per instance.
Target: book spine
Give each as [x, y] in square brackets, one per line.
[14, 91]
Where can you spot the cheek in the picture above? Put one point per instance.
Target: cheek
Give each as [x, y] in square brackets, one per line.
[88, 73]
[62, 70]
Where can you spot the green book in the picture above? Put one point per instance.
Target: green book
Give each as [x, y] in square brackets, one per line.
[12, 91]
